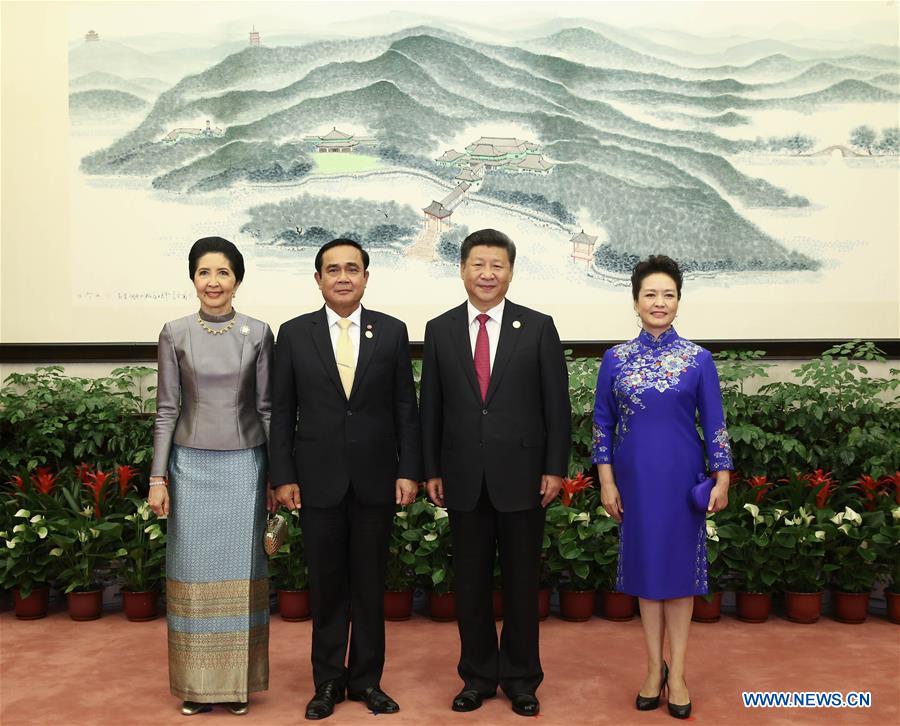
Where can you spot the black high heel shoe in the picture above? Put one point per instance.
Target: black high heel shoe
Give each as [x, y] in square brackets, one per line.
[679, 710]
[648, 703]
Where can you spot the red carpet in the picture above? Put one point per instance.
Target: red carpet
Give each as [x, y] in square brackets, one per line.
[111, 671]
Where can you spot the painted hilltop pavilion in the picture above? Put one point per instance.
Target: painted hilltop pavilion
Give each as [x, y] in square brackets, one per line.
[337, 142]
[496, 152]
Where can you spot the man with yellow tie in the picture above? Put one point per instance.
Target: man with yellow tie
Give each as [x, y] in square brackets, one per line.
[344, 447]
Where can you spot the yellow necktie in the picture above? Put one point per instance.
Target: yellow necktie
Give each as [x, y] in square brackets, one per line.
[344, 355]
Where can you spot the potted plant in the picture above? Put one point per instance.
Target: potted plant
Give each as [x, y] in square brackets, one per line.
[746, 542]
[289, 572]
[617, 606]
[887, 548]
[27, 559]
[434, 562]
[708, 608]
[571, 559]
[853, 557]
[141, 561]
[401, 573]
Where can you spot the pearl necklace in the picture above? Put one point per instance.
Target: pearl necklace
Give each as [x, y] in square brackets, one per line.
[215, 331]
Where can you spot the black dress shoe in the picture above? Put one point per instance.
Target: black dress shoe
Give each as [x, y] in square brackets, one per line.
[680, 710]
[376, 700]
[322, 704]
[525, 704]
[469, 699]
[191, 708]
[238, 708]
[648, 703]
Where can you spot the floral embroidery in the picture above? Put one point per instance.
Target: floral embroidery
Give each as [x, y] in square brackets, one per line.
[700, 566]
[720, 458]
[600, 447]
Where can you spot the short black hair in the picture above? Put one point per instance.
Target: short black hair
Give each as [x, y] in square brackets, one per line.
[205, 245]
[653, 264]
[488, 238]
[339, 242]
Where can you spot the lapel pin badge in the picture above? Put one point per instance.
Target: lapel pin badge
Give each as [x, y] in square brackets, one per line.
[369, 334]
[516, 324]
[245, 330]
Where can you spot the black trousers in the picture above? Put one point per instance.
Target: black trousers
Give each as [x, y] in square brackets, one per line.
[516, 664]
[346, 548]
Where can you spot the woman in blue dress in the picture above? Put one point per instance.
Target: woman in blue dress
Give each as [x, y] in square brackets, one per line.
[649, 455]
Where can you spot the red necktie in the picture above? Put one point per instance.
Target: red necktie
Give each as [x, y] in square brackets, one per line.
[483, 355]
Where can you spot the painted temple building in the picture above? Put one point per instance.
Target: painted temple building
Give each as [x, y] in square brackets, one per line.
[498, 152]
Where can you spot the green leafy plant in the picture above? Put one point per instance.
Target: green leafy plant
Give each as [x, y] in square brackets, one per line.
[50, 419]
[405, 535]
[287, 567]
[716, 569]
[574, 557]
[26, 552]
[142, 556]
[582, 390]
[433, 549]
[745, 546]
[853, 554]
[801, 540]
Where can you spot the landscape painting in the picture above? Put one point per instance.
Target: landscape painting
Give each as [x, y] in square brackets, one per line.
[760, 153]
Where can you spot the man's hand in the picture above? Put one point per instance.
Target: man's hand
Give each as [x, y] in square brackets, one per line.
[288, 495]
[271, 504]
[435, 487]
[550, 486]
[406, 491]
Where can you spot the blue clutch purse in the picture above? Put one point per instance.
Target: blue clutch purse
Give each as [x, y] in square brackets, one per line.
[700, 493]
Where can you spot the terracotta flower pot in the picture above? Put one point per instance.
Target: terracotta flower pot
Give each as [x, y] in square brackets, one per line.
[398, 604]
[34, 606]
[707, 611]
[851, 607]
[577, 605]
[754, 607]
[544, 603]
[893, 606]
[140, 606]
[86, 605]
[618, 606]
[442, 607]
[293, 605]
[497, 597]
[803, 607]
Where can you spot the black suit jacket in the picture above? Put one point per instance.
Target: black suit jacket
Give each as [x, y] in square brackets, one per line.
[325, 442]
[518, 433]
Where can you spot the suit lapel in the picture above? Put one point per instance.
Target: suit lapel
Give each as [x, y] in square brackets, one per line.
[463, 345]
[506, 346]
[322, 340]
[368, 339]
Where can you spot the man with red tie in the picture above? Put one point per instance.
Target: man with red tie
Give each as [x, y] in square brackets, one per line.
[495, 436]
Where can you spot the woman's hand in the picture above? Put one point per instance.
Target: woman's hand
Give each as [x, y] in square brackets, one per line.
[158, 499]
[718, 497]
[611, 501]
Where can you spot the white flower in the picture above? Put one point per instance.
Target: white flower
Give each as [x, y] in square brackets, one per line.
[864, 545]
[408, 547]
[845, 528]
[402, 515]
[11, 543]
[88, 511]
[56, 552]
[95, 533]
[440, 513]
[790, 522]
[753, 509]
[838, 518]
[779, 513]
[82, 536]
[430, 537]
[19, 528]
[712, 532]
[602, 512]
[582, 517]
[36, 518]
[820, 534]
[852, 516]
[805, 516]
[121, 552]
[22, 513]
[895, 513]
[130, 517]
[4, 534]
[41, 532]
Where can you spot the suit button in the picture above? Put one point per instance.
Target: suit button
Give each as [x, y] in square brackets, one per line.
[484, 412]
[349, 413]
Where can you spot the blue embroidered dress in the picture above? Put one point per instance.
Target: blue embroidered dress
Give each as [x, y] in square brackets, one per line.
[649, 392]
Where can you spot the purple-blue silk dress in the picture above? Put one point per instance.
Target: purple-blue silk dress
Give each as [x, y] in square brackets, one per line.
[649, 392]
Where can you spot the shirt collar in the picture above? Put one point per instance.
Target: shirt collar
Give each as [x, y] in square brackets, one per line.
[355, 317]
[495, 313]
[667, 336]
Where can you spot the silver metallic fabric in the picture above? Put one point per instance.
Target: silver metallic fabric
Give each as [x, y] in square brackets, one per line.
[213, 390]
[217, 594]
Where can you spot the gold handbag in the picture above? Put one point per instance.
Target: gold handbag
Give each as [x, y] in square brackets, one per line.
[276, 531]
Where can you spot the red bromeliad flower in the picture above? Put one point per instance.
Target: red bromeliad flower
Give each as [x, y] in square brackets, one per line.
[823, 480]
[43, 480]
[570, 487]
[81, 471]
[17, 482]
[869, 487]
[125, 475]
[892, 480]
[761, 484]
[95, 481]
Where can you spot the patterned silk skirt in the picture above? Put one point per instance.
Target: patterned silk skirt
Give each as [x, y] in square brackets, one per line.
[217, 589]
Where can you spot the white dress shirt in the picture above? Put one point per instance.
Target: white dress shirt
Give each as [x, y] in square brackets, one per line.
[493, 327]
[334, 329]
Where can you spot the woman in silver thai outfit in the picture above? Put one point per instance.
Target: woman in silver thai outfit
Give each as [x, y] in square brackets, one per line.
[209, 477]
